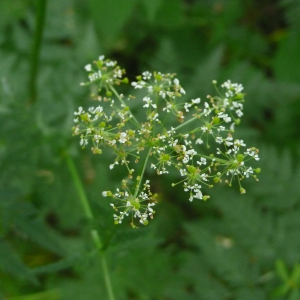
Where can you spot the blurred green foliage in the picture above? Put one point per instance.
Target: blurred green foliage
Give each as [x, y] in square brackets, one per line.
[231, 247]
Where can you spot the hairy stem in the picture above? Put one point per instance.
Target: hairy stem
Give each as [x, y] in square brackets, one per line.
[89, 215]
[36, 48]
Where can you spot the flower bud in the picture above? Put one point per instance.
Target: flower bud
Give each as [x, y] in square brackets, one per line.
[192, 169]
[97, 150]
[240, 157]
[145, 222]
[239, 96]
[158, 77]
[135, 203]
[216, 179]
[125, 80]
[205, 197]
[216, 120]
[85, 117]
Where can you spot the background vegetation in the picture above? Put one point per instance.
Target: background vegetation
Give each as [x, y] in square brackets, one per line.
[228, 248]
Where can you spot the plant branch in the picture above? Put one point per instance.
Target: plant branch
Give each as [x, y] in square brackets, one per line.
[121, 100]
[142, 173]
[186, 123]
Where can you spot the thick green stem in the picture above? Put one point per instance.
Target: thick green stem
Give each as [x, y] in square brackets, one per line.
[36, 48]
[89, 215]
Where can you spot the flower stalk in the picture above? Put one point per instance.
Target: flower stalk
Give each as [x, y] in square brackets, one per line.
[89, 215]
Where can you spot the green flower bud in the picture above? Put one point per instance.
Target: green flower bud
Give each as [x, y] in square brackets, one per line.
[145, 222]
[239, 96]
[99, 64]
[165, 157]
[257, 170]
[205, 197]
[192, 169]
[108, 93]
[135, 203]
[97, 151]
[216, 120]
[240, 157]
[158, 77]
[85, 117]
[216, 179]
[242, 190]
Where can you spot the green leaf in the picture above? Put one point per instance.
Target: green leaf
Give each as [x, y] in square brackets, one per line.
[151, 8]
[170, 14]
[110, 17]
[280, 290]
[287, 59]
[295, 276]
[11, 263]
[294, 295]
[281, 270]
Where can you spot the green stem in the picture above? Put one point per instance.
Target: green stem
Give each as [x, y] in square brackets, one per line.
[185, 123]
[89, 214]
[36, 48]
[121, 100]
[142, 173]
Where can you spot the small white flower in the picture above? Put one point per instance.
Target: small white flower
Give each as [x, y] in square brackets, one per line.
[186, 106]
[198, 195]
[228, 141]
[219, 140]
[232, 127]
[122, 138]
[112, 165]
[239, 113]
[88, 68]
[162, 94]
[146, 75]
[196, 101]
[239, 143]
[80, 111]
